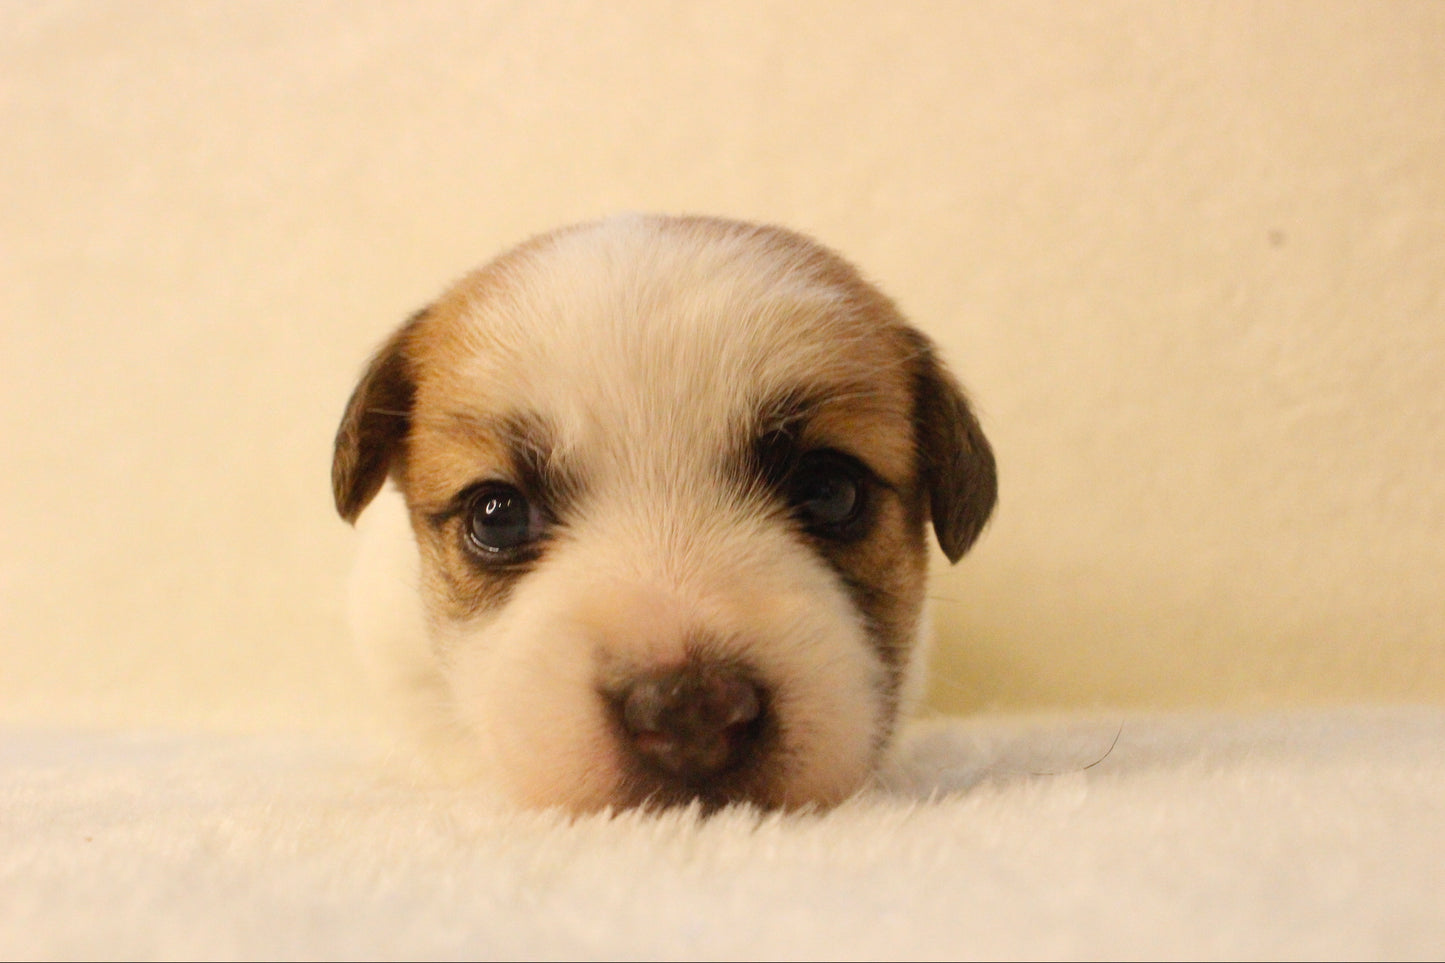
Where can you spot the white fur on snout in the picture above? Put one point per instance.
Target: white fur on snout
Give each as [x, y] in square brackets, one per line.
[609, 600]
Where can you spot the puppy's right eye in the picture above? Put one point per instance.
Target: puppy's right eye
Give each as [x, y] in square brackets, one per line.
[829, 492]
[500, 520]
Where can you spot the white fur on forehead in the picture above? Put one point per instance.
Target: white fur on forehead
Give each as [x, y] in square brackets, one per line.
[700, 269]
[689, 312]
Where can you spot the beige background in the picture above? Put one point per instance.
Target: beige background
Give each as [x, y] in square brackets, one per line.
[1189, 257]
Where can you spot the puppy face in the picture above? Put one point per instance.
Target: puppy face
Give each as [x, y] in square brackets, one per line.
[670, 482]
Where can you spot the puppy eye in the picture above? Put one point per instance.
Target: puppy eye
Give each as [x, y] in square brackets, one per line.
[500, 519]
[829, 491]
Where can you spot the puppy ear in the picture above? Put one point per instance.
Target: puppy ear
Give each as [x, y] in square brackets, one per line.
[375, 425]
[957, 464]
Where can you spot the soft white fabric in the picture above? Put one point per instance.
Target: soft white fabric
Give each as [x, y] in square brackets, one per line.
[1309, 834]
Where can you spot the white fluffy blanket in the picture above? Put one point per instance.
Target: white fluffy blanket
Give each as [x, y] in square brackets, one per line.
[1308, 834]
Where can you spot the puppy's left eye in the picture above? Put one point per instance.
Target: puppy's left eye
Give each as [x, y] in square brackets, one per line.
[500, 520]
[829, 492]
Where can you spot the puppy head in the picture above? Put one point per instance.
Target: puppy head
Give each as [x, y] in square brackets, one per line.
[670, 481]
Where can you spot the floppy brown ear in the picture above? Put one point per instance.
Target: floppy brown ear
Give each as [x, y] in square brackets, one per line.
[374, 428]
[957, 464]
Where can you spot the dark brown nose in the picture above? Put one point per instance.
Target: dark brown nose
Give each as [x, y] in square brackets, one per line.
[693, 723]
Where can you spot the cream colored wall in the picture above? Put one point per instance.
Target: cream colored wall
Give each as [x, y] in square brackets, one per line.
[1190, 257]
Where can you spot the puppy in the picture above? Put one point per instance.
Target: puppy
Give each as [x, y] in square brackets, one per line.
[657, 531]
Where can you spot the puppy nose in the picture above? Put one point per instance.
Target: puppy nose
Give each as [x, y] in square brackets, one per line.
[694, 722]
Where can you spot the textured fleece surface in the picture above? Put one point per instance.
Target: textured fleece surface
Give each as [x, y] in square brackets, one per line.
[1316, 834]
